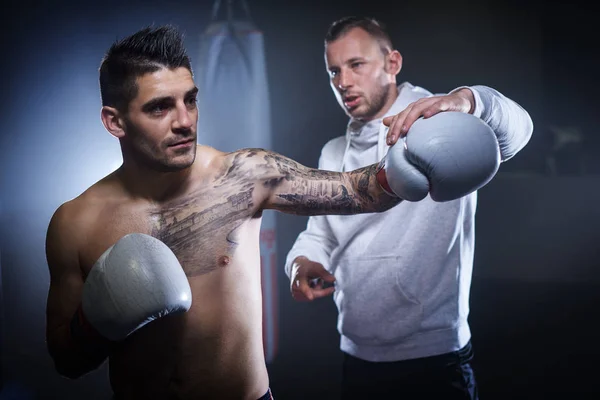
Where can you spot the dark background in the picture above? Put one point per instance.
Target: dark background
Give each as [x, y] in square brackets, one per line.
[535, 287]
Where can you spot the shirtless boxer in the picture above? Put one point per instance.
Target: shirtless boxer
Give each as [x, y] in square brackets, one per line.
[156, 266]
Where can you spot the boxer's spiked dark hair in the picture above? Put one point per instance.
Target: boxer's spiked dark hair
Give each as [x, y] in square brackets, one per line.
[373, 27]
[145, 51]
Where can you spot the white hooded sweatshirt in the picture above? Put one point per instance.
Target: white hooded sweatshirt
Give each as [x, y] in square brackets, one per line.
[403, 276]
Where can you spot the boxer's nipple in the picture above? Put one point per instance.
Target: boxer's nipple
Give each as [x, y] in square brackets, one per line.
[224, 261]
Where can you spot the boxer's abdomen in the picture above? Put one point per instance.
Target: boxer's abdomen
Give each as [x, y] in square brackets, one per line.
[212, 351]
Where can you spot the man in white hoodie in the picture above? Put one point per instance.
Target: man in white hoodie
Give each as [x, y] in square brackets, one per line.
[400, 279]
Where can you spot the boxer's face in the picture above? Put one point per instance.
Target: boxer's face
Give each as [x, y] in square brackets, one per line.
[360, 74]
[161, 122]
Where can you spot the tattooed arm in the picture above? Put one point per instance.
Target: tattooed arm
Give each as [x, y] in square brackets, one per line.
[290, 187]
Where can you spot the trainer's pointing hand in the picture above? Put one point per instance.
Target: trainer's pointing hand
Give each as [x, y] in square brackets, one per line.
[462, 101]
[310, 280]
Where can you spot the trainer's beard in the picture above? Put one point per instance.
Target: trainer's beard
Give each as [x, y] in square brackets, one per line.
[375, 104]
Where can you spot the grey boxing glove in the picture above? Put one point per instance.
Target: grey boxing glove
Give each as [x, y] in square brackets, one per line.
[134, 282]
[448, 155]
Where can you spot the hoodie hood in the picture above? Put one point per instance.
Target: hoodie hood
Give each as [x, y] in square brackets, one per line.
[361, 135]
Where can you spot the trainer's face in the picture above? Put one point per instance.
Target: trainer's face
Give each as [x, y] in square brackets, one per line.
[161, 123]
[360, 74]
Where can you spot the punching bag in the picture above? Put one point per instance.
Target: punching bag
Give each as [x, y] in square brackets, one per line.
[234, 113]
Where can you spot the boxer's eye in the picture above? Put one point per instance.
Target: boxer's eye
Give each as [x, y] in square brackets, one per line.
[158, 106]
[191, 101]
[158, 109]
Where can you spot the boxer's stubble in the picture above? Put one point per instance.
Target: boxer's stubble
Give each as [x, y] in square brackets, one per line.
[154, 155]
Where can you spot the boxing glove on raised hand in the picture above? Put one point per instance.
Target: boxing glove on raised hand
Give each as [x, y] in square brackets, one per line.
[134, 282]
[448, 155]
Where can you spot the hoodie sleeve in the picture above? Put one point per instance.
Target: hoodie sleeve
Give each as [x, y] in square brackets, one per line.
[316, 242]
[511, 123]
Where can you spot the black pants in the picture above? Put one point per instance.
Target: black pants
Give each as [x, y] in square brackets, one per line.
[445, 377]
[267, 396]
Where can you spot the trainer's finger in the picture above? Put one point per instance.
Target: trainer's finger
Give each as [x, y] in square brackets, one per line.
[301, 291]
[317, 293]
[395, 128]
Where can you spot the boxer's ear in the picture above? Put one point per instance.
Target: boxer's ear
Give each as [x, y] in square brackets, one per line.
[111, 118]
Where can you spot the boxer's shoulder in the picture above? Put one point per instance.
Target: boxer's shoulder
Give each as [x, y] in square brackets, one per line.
[239, 165]
[62, 235]
[210, 163]
[89, 202]
[69, 214]
[206, 157]
[75, 216]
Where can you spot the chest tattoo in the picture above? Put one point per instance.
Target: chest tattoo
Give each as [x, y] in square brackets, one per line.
[202, 229]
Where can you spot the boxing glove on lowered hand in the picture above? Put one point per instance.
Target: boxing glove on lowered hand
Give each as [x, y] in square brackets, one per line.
[134, 282]
[448, 155]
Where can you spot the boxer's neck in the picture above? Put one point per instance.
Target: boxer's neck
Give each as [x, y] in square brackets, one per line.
[146, 183]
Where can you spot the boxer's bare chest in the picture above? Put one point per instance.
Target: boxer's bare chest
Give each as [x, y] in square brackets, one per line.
[202, 227]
